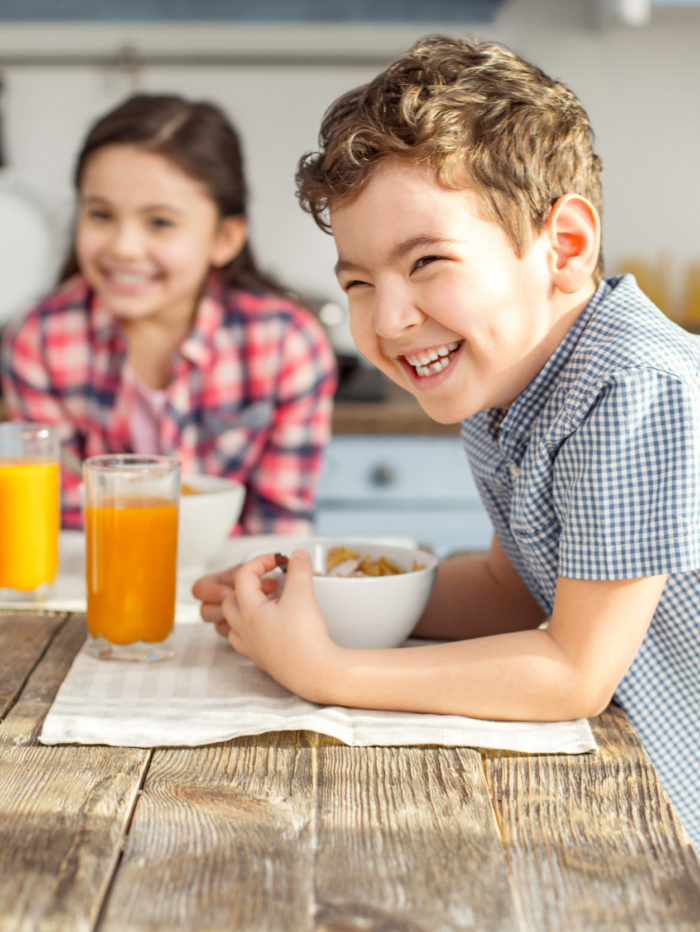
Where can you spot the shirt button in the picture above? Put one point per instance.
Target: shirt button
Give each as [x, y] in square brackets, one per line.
[514, 470]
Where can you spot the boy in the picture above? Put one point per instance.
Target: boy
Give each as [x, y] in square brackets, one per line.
[464, 198]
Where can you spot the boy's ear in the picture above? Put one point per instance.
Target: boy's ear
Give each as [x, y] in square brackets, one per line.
[573, 226]
[229, 240]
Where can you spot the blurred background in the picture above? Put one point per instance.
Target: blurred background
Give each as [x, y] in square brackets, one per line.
[275, 66]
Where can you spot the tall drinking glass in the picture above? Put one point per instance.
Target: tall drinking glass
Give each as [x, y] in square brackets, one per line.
[30, 511]
[130, 515]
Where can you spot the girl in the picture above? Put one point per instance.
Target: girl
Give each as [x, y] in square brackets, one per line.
[163, 335]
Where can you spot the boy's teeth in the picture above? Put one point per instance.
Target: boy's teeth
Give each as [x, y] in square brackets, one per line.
[434, 361]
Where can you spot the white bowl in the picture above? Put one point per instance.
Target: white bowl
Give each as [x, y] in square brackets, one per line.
[369, 611]
[207, 517]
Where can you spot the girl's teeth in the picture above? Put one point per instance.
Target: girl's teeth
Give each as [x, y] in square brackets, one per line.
[126, 278]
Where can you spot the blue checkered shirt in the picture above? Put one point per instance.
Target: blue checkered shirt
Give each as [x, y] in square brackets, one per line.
[594, 473]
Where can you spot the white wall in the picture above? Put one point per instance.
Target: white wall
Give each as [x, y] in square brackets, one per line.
[639, 84]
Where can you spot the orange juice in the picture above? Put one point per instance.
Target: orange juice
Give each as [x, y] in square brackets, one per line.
[29, 521]
[131, 545]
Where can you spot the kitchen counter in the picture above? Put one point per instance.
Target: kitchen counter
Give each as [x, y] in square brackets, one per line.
[390, 469]
[397, 413]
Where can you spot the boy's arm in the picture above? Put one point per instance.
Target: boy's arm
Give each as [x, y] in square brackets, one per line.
[497, 597]
[568, 670]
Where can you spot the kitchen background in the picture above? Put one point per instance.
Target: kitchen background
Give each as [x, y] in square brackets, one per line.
[635, 64]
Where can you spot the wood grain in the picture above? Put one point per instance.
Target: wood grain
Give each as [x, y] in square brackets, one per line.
[65, 810]
[221, 839]
[407, 840]
[298, 832]
[23, 723]
[596, 846]
[24, 636]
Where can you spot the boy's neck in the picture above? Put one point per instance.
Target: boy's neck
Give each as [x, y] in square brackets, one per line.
[568, 310]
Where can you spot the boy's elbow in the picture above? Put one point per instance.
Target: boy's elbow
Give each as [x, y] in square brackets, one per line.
[587, 700]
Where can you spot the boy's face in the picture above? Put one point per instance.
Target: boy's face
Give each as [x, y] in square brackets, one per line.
[438, 299]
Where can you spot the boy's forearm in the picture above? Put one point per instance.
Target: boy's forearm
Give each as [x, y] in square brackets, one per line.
[475, 596]
[521, 676]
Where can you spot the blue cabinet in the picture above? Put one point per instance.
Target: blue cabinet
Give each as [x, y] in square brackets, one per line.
[408, 485]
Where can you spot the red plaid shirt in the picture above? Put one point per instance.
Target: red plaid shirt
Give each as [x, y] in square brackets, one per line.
[250, 395]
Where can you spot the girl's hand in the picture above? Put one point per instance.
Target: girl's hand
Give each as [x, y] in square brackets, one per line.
[286, 637]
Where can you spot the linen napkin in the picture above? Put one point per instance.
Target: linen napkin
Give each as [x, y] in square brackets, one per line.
[207, 693]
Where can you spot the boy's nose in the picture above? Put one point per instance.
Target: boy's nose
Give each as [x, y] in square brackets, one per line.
[395, 312]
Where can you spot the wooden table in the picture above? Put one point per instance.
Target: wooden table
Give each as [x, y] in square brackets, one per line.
[297, 832]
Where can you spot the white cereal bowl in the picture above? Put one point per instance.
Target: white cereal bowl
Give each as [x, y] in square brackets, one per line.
[369, 611]
[207, 517]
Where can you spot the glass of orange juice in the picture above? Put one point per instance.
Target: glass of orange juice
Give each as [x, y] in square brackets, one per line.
[30, 511]
[130, 515]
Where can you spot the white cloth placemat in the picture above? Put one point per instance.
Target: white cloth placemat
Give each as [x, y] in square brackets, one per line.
[208, 693]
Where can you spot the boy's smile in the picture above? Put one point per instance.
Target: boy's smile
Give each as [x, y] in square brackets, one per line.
[438, 299]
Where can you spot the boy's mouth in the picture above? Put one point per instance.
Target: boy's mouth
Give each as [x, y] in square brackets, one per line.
[430, 362]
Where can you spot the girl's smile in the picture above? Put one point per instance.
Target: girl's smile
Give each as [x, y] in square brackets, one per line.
[147, 234]
[122, 282]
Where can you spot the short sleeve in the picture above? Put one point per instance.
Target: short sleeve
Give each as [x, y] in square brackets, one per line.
[627, 481]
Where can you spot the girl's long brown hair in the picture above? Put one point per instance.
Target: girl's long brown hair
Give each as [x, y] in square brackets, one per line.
[198, 139]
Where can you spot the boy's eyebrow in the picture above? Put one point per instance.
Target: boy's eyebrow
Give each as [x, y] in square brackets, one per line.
[399, 251]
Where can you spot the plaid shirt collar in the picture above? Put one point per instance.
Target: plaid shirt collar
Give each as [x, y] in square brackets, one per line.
[510, 428]
[197, 348]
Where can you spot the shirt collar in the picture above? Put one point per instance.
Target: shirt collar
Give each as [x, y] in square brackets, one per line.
[105, 327]
[198, 345]
[511, 427]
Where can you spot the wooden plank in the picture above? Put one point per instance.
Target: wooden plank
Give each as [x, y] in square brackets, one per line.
[65, 809]
[407, 841]
[592, 840]
[221, 839]
[66, 814]
[24, 637]
[23, 723]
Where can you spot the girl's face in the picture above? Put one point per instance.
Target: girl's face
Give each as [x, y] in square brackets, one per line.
[147, 234]
[438, 299]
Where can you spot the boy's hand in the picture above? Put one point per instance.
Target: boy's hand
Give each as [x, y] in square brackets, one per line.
[286, 637]
[211, 591]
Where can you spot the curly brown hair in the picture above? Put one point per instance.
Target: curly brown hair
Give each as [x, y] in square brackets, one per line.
[479, 115]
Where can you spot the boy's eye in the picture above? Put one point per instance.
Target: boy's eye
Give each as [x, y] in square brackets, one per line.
[425, 260]
[353, 283]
